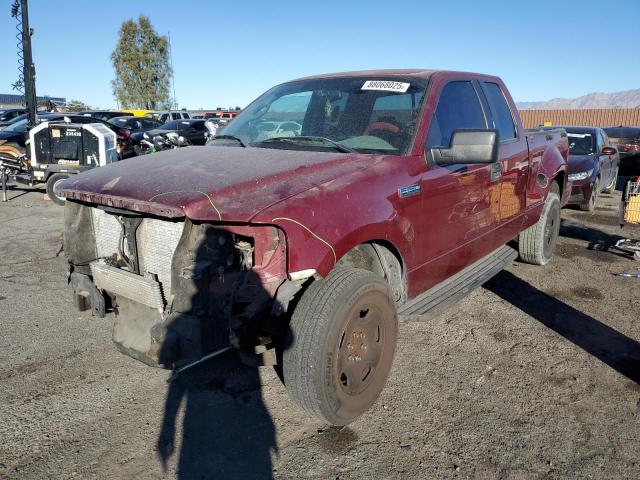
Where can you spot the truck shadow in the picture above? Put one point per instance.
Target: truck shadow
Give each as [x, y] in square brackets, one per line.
[226, 429]
[594, 337]
[596, 239]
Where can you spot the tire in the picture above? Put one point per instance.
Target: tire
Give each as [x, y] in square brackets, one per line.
[590, 206]
[612, 186]
[536, 243]
[341, 344]
[52, 182]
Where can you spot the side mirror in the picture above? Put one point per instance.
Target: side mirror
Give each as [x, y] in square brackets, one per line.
[468, 146]
[608, 151]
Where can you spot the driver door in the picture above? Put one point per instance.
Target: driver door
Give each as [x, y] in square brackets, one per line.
[458, 201]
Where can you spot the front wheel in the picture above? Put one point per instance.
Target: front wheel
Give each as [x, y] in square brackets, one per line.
[590, 205]
[53, 184]
[612, 186]
[340, 345]
[536, 243]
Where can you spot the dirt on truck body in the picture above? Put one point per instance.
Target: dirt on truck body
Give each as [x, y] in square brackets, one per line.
[328, 206]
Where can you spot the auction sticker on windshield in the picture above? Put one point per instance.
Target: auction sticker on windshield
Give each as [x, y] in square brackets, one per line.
[579, 135]
[385, 86]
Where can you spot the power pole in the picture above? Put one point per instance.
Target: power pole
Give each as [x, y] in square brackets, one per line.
[29, 69]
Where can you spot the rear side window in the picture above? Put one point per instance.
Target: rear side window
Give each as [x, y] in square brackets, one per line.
[500, 113]
[458, 108]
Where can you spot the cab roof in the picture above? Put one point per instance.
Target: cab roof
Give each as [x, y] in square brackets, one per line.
[409, 72]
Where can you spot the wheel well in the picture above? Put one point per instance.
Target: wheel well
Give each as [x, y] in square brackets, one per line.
[560, 180]
[382, 258]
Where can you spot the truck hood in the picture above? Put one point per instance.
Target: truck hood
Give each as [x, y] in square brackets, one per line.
[580, 163]
[209, 183]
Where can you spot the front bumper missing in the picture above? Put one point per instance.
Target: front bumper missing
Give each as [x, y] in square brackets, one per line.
[207, 288]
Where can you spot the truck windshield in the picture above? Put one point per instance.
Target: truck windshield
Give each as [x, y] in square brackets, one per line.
[580, 143]
[375, 115]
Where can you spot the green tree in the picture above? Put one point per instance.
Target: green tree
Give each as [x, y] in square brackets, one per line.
[142, 67]
[77, 106]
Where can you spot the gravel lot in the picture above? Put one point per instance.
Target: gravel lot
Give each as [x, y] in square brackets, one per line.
[535, 375]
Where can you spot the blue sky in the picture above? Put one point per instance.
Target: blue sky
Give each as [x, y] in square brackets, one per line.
[227, 53]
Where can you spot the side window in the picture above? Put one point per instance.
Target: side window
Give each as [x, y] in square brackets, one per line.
[164, 118]
[458, 107]
[500, 112]
[176, 116]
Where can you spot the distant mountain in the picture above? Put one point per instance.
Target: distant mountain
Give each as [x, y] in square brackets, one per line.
[626, 99]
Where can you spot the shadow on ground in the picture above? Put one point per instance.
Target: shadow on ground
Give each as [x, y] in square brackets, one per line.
[594, 337]
[227, 431]
[596, 239]
[16, 191]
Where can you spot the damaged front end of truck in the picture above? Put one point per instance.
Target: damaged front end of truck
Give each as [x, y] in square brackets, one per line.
[179, 289]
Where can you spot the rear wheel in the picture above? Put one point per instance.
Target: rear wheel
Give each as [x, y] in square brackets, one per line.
[590, 205]
[612, 186]
[341, 344]
[53, 184]
[536, 243]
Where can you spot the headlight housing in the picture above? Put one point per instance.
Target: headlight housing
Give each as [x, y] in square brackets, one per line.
[580, 175]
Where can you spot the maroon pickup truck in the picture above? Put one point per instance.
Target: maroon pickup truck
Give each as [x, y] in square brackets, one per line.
[326, 208]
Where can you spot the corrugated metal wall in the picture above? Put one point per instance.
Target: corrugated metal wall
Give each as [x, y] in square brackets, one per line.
[593, 117]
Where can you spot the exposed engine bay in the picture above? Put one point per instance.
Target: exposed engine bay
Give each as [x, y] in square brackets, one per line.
[179, 289]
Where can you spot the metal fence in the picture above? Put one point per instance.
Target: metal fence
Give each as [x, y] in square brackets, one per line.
[592, 117]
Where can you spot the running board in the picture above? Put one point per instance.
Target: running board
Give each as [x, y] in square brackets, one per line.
[443, 295]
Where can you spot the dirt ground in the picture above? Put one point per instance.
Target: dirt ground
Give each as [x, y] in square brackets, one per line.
[535, 375]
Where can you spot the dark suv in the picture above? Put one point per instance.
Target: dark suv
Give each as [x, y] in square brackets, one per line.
[627, 141]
